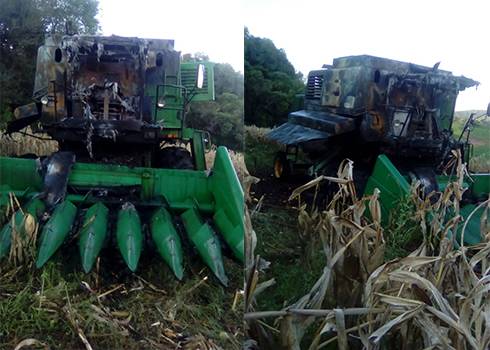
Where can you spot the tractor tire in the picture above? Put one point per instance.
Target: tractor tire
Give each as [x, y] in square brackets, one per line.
[174, 158]
[282, 166]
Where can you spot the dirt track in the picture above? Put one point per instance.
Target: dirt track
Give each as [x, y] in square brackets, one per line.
[276, 192]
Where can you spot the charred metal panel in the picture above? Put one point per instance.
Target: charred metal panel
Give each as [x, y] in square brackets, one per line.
[304, 126]
[331, 123]
[55, 171]
[24, 116]
[291, 134]
[160, 82]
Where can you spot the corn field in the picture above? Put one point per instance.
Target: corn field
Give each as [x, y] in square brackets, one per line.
[435, 298]
[19, 144]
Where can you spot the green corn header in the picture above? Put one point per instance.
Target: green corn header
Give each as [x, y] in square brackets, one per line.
[128, 169]
[393, 187]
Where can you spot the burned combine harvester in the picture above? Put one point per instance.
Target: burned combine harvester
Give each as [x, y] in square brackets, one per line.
[117, 108]
[394, 119]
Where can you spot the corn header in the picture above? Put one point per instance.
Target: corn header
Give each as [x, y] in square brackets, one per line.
[128, 170]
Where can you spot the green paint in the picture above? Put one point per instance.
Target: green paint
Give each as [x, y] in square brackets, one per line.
[472, 233]
[167, 241]
[5, 239]
[481, 185]
[55, 231]
[206, 243]
[390, 182]
[93, 234]
[233, 235]
[217, 194]
[393, 187]
[129, 235]
[188, 78]
[35, 208]
[198, 151]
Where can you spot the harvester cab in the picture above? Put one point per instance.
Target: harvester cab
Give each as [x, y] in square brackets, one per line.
[98, 94]
[394, 119]
[128, 167]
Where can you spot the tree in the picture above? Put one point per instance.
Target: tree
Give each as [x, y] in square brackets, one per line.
[271, 83]
[223, 117]
[227, 80]
[23, 26]
[75, 16]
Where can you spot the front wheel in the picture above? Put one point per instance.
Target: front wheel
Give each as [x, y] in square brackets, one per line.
[282, 166]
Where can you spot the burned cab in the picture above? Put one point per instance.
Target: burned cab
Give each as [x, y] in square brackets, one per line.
[95, 92]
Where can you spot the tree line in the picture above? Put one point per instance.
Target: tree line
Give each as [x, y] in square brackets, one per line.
[23, 26]
[272, 86]
[223, 117]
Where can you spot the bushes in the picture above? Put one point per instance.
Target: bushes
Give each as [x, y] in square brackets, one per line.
[271, 83]
[223, 118]
[259, 151]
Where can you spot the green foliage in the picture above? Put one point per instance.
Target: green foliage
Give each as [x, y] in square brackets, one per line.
[271, 84]
[23, 25]
[260, 152]
[147, 310]
[279, 242]
[227, 80]
[74, 16]
[479, 137]
[223, 118]
[402, 234]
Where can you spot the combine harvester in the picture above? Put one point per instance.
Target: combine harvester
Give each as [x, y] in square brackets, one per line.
[394, 119]
[117, 108]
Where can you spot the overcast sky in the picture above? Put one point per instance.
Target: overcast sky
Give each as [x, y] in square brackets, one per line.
[313, 32]
[214, 27]
[425, 32]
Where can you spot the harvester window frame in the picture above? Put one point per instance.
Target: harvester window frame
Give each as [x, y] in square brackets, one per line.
[159, 59]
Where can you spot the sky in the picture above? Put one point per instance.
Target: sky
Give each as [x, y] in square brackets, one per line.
[213, 27]
[312, 33]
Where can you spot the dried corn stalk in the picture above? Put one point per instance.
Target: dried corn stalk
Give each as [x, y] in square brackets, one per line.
[435, 298]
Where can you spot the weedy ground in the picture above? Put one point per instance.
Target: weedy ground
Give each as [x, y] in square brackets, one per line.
[112, 308]
[278, 241]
